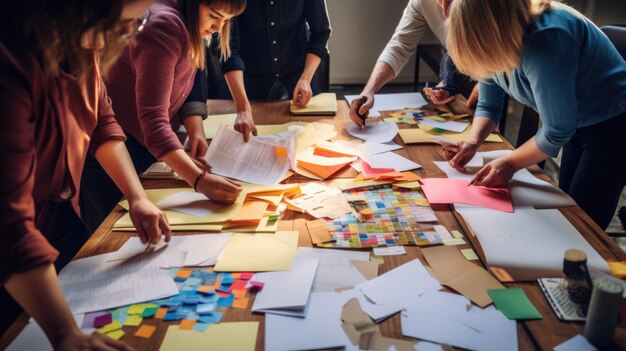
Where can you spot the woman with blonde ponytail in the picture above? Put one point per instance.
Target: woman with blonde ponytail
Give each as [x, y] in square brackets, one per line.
[553, 59]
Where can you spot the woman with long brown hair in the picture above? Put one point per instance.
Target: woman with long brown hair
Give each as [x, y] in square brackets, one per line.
[553, 59]
[148, 86]
[54, 109]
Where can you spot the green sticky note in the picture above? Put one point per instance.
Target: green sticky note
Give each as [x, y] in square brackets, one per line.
[377, 259]
[469, 254]
[514, 303]
[133, 321]
[149, 312]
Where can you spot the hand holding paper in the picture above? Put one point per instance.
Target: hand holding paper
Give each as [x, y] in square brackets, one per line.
[495, 174]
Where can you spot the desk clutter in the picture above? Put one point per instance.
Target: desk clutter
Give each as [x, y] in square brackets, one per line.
[358, 195]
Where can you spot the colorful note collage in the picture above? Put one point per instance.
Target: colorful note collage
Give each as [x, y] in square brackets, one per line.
[202, 293]
[387, 217]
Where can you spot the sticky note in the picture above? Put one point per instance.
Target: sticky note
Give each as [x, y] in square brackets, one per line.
[116, 334]
[145, 331]
[90, 318]
[115, 325]
[187, 324]
[377, 259]
[456, 234]
[184, 273]
[241, 299]
[102, 320]
[161, 313]
[133, 321]
[246, 275]
[201, 327]
[469, 254]
[205, 289]
[454, 241]
[618, 269]
[225, 301]
[136, 309]
[214, 317]
[205, 308]
[149, 312]
[514, 303]
[228, 281]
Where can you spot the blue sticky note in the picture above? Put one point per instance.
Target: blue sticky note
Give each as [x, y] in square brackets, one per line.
[205, 308]
[170, 316]
[224, 289]
[193, 281]
[228, 281]
[214, 317]
[208, 299]
[201, 327]
[191, 300]
[226, 301]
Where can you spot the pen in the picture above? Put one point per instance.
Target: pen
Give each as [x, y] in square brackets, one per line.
[364, 116]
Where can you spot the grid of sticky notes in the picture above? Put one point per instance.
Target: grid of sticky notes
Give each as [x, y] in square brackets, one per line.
[393, 221]
[201, 295]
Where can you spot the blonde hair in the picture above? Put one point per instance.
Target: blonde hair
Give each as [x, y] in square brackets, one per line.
[189, 10]
[485, 37]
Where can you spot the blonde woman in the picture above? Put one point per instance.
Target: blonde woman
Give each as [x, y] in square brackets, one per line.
[551, 58]
[148, 86]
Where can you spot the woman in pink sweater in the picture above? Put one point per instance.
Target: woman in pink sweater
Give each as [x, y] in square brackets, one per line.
[148, 86]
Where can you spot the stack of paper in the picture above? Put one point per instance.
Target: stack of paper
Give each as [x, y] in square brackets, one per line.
[389, 102]
[326, 203]
[287, 292]
[528, 244]
[321, 104]
[320, 167]
[377, 132]
[259, 161]
[450, 319]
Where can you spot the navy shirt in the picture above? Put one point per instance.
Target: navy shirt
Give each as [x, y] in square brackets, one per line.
[271, 39]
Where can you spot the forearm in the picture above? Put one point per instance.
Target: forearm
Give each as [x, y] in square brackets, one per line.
[310, 66]
[182, 164]
[114, 158]
[526, 155]
[481, 128]
[193, 124]
[234, 79]
[381, 74]
[38, 292]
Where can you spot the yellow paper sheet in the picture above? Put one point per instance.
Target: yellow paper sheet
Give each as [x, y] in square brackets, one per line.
[311, 133]
[234, 336]
[211, 123]
[424, 134]
[321, 104]
[124, 224]
[258, 252]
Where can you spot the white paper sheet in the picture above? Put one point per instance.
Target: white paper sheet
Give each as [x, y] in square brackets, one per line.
[287, 292]
[529, 244]
[34, 338]
[444, 318]
[377, 132]
[258, 161]
[189, 202]
[389, 251]
[183, 250]
[452, 126]
[96, 283]
[390, 160]
[577, 343]
[320, 329]
[357, 149]
[388, 102]
[407, 281]
[334, 270]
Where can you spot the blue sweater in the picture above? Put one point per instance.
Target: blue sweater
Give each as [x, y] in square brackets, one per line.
[570, 73]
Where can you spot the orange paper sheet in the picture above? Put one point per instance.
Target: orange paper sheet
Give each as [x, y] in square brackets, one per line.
[251, 211]
[457, 191]
[321, 151]
[320, 170]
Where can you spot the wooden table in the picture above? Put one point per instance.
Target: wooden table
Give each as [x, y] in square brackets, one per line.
[539, 334]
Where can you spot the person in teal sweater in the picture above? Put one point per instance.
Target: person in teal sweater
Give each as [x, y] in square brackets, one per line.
[553, 59]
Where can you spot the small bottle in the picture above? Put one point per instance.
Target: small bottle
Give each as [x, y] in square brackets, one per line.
[579, 284]
[603, 312]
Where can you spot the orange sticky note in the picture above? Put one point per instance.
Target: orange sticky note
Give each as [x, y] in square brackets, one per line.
[205, 289]
[161, 313]
[183, 273]
[235, 275]
[187, 324]
[251, 211]
[281, 151]
[145, 331]
[241, 299]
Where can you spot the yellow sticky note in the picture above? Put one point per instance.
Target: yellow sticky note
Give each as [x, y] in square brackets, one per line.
[117, 334]
[133, 320]
[115, 325]
[454, 241]
[258, 252]
[234, 336]
[146, 331]
[618, 269]
[136, 309]
[456, 234]
[469, 254]
[408, 185]
[422, 202]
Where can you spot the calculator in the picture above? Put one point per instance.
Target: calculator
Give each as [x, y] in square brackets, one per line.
[555, 290]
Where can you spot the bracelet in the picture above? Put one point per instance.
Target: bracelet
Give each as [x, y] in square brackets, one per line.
[195, 182]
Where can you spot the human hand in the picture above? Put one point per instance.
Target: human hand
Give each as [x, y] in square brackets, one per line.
[438, 96]
[198, 145]
[458, 156]
[495, 174]
[472, 100]
[358, 108]
[244, 124]
[302, 93]
[94, 342]
[150, 222]
[219, 189]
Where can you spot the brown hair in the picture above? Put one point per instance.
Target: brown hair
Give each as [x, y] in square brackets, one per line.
[55, 32]
[189, 10]
[485, 37]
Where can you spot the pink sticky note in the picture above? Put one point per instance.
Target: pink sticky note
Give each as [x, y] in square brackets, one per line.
[456, 191]
[246, 276]
[102, 320]
[256, 286]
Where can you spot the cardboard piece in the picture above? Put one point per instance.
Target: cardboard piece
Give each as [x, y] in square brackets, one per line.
[368, 269]
[456, 272]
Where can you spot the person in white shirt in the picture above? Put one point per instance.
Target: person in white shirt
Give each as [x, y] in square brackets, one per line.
[418, 16]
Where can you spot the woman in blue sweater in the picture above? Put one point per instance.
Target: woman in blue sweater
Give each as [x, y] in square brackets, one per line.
[553, 59]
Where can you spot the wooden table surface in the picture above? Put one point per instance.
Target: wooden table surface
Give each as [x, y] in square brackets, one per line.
[541, 334]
